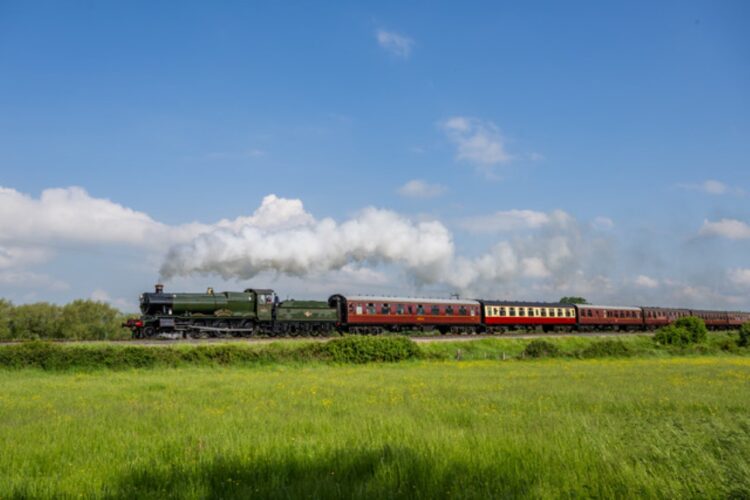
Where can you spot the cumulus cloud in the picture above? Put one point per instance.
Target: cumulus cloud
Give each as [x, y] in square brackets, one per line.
[514, 220]
[712, 187]
[418, 188]
[67, 214]
[21, 279]
[396, 44]
[740, 277]
[603, 223]
[477, 142]
[727, 228]
[646, 282]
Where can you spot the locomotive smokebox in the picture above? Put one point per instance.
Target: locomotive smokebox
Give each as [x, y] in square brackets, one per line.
[159, 288]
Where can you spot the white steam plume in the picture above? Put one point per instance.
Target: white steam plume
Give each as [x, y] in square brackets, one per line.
[282, 237]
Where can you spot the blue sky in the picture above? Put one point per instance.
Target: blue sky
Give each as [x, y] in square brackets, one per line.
[619, 134]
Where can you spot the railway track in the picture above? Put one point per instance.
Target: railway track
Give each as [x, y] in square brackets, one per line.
[266, 340]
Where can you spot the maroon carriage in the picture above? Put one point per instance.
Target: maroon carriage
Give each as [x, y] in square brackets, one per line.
[508, 315]
[593, 317]
[736, 319]
[715, 320]
[656, 317]
[371, 314]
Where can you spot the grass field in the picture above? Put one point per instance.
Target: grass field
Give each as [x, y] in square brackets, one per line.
[422, 429]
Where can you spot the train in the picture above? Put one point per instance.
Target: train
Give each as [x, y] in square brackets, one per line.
[259, 312]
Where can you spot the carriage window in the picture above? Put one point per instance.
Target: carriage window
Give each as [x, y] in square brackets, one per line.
[400, 309]
[473, 311]
[411, 311]
[512, 311]
[359, 308]
[386, 309]
[462, 310]
[435, 310]
[544, 312]
[449, 310]
[522, 311]
[420, 309]
[531, 312]
[370, 308]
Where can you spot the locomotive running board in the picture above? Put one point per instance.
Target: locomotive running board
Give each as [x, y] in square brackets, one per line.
[215, 329]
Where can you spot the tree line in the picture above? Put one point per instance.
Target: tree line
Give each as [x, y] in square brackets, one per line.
[78, 320]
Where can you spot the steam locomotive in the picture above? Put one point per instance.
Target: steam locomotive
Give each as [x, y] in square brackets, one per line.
[259, 312]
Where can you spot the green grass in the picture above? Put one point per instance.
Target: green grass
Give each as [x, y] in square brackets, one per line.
[656, 427]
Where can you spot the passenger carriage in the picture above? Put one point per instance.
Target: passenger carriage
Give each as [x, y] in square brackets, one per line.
[656, 317]
[373, 314]
[503, 316]
[595, 317]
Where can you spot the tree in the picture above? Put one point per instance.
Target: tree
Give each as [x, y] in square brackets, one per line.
[89, 320]
[6, 310]
[35, 321]
[573, 300]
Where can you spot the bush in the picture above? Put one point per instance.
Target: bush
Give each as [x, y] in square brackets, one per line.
[744, 335]
[541, 349]
[684, 331]
[352, 349]
[606, 348]
[696, 327]
[672, 335]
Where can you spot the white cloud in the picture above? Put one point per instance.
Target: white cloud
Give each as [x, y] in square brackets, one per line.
[71, 215]
[19, 279]
[740, 277]
[396, 44]
[712, 187]
[100, 295]
[726, 228]
[514, 220]
[478, 142]
[19, 256]
[603, 223]
[646, 282]
[420, 189]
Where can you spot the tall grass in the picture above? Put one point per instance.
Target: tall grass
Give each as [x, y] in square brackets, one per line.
[671, 427]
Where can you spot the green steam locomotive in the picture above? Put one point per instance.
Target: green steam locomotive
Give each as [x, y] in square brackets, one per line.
[221, 314]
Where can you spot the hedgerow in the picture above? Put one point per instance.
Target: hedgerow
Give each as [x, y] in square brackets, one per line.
[541, 349]
[51, 356]
[744, 335]
[606, 348]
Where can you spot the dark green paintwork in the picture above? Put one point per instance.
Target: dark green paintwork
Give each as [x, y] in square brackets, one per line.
[305, 311]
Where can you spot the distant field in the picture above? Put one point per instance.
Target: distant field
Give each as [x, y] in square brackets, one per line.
[655, 427]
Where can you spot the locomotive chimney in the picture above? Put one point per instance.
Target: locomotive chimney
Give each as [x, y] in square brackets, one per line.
[159, 288]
